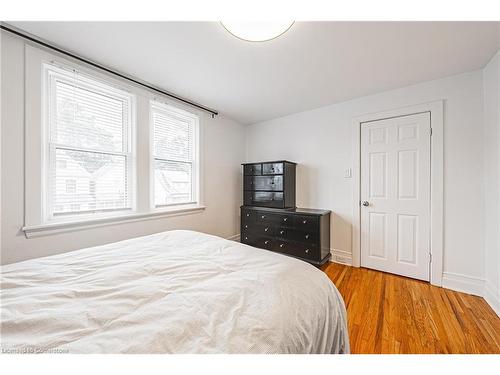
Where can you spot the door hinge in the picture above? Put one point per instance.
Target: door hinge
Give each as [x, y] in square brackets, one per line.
[430, 131]
[430, 258]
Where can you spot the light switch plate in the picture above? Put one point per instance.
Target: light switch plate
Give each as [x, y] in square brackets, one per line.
[348, 173]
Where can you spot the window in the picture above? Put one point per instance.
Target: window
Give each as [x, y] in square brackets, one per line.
[174, 155]
[85, 163]
[89, 147]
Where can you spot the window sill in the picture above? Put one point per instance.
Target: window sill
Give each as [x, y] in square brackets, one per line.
[69, 226]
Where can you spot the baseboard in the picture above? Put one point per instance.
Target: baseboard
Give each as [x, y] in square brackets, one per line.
[463, 283]
[492, 296]
[341, 256]
[236, 238]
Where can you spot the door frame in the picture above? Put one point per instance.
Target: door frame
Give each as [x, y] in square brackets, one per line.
[436, 110]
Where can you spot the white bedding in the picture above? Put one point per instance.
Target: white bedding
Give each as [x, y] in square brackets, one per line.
[171, 292]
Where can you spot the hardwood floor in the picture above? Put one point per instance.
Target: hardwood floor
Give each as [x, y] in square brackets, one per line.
[394, 314]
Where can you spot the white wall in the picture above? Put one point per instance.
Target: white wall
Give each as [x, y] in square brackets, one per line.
[320, 141]
[223, 153]
[491, 82]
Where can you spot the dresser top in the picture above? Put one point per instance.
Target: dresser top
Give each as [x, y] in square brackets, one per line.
[299, 211]
[270, 162]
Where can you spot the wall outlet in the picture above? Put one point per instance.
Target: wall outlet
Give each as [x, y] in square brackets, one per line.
[348, 173]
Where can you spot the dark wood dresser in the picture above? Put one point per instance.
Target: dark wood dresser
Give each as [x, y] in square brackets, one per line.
[269, 184]
[299, 232]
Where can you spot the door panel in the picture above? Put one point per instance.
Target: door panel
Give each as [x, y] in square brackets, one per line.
[377, 235]
[395, 186]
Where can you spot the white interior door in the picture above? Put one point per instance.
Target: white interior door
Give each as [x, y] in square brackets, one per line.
[395, 195]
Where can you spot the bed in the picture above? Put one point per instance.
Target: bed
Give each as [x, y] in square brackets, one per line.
[171, 292]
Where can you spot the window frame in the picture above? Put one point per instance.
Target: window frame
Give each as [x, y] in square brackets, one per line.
[195, 158]
[52, 71]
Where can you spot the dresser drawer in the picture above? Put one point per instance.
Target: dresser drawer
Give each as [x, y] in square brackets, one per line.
[263, 183]
[285, 221]
[295, 249]
[272, 168]
[305, 251]
[248, 215]
[258, 228]
[284, 233]
[252, 169]
[261, 198]
[265, 243]
[307, 223]
[249, 239]
[263, 217]
[304, 236]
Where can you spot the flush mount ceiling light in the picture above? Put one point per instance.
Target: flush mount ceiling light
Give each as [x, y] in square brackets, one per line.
[257, 31]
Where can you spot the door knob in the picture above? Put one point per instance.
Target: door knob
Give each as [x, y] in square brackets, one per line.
[366, 203]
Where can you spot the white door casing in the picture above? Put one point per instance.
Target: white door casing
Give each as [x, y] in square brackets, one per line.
[395, 183]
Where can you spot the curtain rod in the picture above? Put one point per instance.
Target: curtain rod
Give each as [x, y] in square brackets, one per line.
[95, 65]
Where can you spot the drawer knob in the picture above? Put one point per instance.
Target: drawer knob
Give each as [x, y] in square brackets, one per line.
[304, 221]
[246, 226]
[281, 245]
[246, 238]
[263, 216]
[307, 251]
[307, 236]
[285, 219]
[266, 242]
[282, 231]
[248, 215]
[266, 229]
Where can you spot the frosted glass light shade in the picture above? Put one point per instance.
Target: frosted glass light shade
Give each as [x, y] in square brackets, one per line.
[257, 31]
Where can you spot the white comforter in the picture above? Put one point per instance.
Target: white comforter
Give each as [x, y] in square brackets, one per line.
[171, 292]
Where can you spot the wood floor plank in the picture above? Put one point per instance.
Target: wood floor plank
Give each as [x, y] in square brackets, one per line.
[393, 314]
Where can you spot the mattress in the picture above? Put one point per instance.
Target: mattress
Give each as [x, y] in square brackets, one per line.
[171, 292]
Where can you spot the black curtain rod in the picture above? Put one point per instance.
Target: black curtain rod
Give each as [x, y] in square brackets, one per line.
[57, 49]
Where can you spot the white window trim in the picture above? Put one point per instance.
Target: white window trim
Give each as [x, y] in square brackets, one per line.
[35, 138]
[50, 147]
[196, 185]
[69, 226]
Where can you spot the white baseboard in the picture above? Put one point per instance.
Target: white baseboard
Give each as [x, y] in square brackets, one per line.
[463, 283]
[236, 238]
[492, 296]
[341, 256]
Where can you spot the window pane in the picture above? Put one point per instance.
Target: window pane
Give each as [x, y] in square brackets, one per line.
[173, 136]
[173, 182]
[90, 181]
[88, 118]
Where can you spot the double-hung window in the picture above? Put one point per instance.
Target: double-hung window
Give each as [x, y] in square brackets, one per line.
[88, 158]
[175, 165]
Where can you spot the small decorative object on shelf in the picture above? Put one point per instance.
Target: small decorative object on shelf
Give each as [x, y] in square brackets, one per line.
[270, 220]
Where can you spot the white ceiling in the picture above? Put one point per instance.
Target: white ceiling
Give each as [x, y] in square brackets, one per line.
[312, 65]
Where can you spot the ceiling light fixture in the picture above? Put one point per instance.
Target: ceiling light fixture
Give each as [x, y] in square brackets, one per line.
[257, 31]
